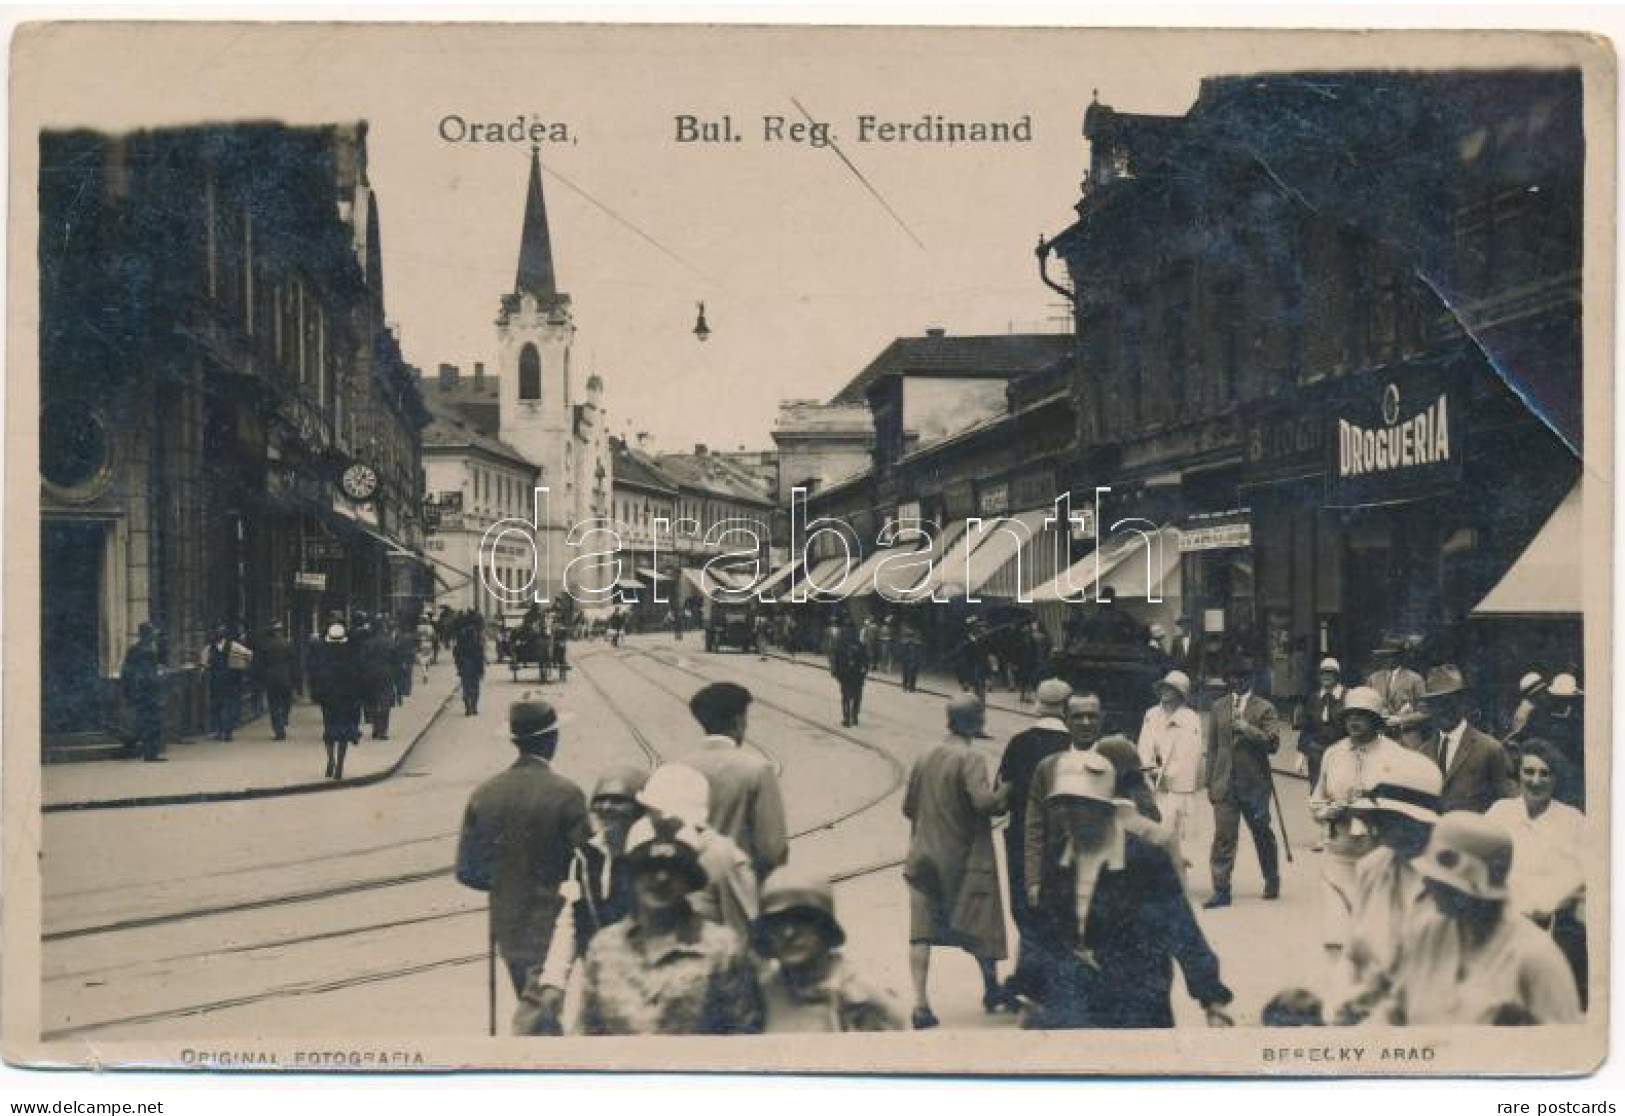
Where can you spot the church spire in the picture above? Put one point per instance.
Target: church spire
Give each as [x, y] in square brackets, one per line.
[535, 274]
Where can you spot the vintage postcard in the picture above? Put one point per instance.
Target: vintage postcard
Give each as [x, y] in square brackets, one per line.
[619, 547]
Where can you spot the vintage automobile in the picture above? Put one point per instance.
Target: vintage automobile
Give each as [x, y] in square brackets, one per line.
[731, 625]
[1111, 657]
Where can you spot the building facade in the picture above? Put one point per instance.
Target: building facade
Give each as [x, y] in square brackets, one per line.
[1349, 377]
[229, 434]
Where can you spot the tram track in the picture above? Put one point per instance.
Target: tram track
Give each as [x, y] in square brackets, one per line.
[301, 988]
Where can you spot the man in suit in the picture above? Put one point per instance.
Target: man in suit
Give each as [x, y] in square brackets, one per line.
[1244, 731]
[1474, 764]
[273, 665]
[746, 803]
[520, 833]
[1026, 750]
[1398, 685]
[1182, 649]
[1320, 718]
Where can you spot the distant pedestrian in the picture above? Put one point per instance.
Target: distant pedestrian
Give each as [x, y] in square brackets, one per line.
[1242, 736]
[1531, 689]
[909, 653]
[664, 970]
[1025, 664]
[1182, 651]
[337, 687]
[849, 663]
[376, 658]
[406, 660]
[1046, 737]
[1319, 718]
[1116, 910]
[953, 879]
[468, 653]
[1399, 687]
[746, 802]
[224, 684]
[274, 667]
[808, 985]
[885, 644]
[428, 646]
[520, 833]
[141, 679]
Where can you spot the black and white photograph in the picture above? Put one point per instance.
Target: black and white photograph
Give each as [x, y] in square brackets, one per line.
[623, 547]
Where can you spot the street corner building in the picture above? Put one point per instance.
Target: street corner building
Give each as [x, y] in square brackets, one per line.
[228, 432]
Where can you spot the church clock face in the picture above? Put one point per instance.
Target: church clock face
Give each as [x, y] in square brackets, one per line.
[360, 482]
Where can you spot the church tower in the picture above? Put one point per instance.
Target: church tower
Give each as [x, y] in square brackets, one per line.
[535, 334]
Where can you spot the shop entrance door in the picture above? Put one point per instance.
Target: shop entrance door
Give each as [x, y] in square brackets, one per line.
[71, 559]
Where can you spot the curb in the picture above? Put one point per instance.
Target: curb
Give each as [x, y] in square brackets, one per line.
[249, 793]
[990, 704]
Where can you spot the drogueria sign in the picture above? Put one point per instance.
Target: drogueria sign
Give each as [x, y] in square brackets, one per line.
[1394, 438]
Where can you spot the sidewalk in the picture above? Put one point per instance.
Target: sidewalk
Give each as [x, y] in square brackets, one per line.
[944, 685]
[251, 764]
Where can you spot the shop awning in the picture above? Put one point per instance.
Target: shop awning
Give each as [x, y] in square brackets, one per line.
[826, 572]
[708, 582]
[1123, 567]
[950, 547]
[652, 575]
[1545, 580]
[779, 577]
[891, 583]
[1000, 543]
[630, 583]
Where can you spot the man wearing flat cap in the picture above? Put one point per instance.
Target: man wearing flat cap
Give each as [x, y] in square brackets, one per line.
[1027, 749]
[520, 833]
[1474, 765]
[747, 805]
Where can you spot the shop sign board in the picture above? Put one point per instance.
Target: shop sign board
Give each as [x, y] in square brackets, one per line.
[1222, 536]
[313, 581]
[1394, 438]
[993, 499]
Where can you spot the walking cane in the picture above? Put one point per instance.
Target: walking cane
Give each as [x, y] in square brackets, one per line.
[491, 970]
[1280, 816]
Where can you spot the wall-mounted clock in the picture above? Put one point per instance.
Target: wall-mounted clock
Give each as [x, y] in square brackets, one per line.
[359, 481]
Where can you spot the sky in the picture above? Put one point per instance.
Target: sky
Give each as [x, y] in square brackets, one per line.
[805, 275]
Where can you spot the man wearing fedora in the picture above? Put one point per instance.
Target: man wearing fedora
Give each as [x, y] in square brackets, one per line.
[1244, 732]
[1473, 763]
[520, 833]
[1118, 917]
[1027, 749]
[1170, 748]
[1398, 685]
[747, 805]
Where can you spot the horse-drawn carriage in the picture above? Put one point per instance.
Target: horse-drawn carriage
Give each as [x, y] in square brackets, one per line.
[535, 638]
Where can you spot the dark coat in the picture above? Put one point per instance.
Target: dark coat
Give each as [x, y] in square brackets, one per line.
[274, 665]
[468, 651]
[849, 662]
[520, 833]
[1026, 750]
[1478, 775]
[139, 677]
[1140, 923]
[335, 676]
[1238, 765]
[1322, 721]
[377, 661]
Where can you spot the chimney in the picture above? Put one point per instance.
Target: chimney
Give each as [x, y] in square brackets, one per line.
[699, 449]
[935, 331]
[643, 439]
[448, 377]
[479, 375]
